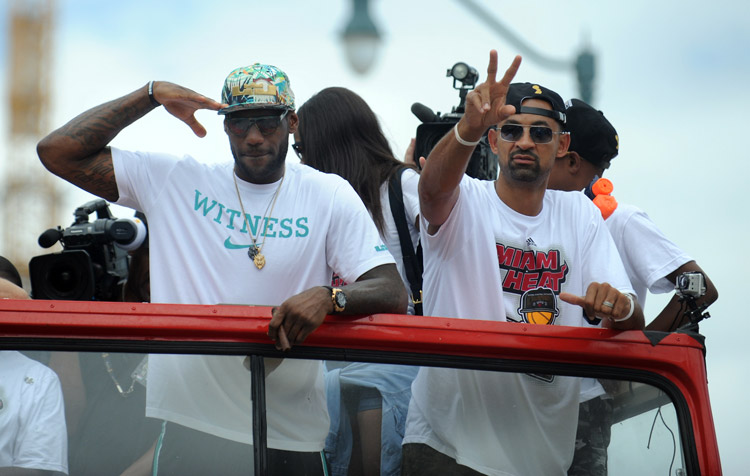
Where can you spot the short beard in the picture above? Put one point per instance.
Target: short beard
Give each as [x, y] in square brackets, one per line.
[527, 173]
[266, 174]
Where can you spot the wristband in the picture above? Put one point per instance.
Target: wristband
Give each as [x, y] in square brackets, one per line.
[151, 97]
[632, 309]
[461, 141]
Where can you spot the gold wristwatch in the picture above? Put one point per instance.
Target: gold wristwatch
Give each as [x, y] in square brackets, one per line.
[338, 298]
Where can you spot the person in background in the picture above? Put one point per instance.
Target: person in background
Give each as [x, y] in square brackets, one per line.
[651, 260]
[33, 435]
[138, 286]
[113, 434]
[11, 285]
[339, 133]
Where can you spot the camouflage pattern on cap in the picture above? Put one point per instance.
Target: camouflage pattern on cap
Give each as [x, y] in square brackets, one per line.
[260, 86]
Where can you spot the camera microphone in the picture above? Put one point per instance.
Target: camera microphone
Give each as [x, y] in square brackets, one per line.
[424, 113]
[50, 237]
[129, 233]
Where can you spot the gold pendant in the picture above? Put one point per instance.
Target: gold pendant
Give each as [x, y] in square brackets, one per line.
[259, 261]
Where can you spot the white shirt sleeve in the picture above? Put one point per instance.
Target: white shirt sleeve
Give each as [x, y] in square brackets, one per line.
[649, 255]
[353, 244]
[42, 438]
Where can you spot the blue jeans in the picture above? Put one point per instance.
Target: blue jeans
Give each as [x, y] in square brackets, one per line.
[394, 384]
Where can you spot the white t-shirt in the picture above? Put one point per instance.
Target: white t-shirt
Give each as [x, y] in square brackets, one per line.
[32, 415]
[199, 242]
[409, 183]
[489, 262]
[647, 254]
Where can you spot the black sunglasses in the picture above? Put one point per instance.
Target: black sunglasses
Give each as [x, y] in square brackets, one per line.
[267, 125]
[297, 146]
[538, 134]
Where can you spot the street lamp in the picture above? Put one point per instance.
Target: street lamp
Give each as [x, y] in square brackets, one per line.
[584, 64]
[361, 38]
[585, 70]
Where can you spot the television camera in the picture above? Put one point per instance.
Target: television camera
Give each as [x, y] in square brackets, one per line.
[483, 162]
[94, 262]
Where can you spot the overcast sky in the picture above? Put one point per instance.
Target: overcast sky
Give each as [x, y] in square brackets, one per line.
[671, 76]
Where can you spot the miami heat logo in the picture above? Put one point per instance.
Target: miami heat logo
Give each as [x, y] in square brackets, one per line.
[539, 306]
[525, 270]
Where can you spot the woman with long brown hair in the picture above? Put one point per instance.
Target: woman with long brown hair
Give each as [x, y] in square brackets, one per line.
[339, 133]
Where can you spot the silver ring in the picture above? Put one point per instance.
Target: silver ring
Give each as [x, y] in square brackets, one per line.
[608, 304]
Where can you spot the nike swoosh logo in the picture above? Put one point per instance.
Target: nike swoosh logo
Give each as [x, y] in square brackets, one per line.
[231, 246]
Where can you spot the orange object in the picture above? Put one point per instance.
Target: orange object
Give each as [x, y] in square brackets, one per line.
[603, 200]
[602, 187]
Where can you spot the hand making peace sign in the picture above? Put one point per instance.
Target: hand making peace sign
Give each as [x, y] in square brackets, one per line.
[485, 105]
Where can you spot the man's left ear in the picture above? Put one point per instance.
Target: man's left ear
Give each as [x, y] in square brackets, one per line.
[293, 121]
[562, 148]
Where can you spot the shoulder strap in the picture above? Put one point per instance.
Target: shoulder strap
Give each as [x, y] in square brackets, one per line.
[412, 260]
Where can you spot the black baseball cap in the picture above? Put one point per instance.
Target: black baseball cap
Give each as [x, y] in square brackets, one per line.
[592, 136]
[539, 299]
[519, 92]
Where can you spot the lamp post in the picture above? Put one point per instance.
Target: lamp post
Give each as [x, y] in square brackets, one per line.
[361, 38]
[584, 64]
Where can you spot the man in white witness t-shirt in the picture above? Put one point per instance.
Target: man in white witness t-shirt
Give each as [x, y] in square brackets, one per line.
[508, 250]
[256, 230]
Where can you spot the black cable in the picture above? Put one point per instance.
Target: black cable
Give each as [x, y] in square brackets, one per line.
[674, 443]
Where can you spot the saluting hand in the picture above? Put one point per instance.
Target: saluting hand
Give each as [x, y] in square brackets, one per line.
[182, 103]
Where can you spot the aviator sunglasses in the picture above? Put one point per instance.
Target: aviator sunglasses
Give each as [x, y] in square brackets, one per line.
[538, 134]
[267, 125]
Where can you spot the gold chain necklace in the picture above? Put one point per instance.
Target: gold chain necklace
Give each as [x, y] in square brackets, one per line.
[111, 372]
[254, 252]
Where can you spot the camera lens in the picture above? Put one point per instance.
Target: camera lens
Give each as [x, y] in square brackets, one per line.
[64, 278]
[67, 275]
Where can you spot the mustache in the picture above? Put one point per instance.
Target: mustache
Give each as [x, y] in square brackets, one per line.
[254, 150]
[528, 153]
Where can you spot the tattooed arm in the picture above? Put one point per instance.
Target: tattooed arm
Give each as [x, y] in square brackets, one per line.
[78, 151]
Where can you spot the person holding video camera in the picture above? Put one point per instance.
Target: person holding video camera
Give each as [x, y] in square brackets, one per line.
[236, 232]
[113, 433]
[507, 250]
[11, 286]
